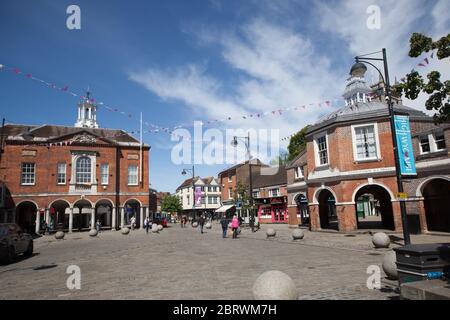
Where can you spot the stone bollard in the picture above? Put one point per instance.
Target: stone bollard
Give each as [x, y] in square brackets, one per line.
[208, 225]
[154, 228]
[389, 265]
[271, 233]
[125, 231]
[160, 227]
[298, 234]
[381, 240]
[93, 232]
[59, 235]
[274, 285]
[195, 225]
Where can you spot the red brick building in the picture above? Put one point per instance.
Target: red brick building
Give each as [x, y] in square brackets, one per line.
[229, 178]
[73, 176]
[346, 180]
[270, 195]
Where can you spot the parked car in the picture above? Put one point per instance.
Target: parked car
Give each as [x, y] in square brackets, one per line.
[13, 241]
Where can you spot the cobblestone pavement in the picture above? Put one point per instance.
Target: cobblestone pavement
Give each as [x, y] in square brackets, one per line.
[184, 264]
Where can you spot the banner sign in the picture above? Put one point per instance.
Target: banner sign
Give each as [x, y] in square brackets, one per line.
[404, 144]
[198, 196]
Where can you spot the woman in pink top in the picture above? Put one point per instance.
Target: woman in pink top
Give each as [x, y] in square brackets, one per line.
[235, 226]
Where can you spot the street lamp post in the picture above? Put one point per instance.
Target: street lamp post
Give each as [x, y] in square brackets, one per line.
[364, 59]
[184, 172]
[247, 146]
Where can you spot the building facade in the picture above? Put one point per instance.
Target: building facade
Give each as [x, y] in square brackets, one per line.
[345, 180]
[270, 195]
[209, 196]
[70, 177]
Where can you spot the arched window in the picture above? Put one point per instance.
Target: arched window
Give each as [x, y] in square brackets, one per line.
[83, 170]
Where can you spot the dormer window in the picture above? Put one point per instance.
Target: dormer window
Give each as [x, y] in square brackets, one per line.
[298, 172]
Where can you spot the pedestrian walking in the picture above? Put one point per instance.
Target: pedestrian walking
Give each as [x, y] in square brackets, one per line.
[98, 225]
[146, 224]
[224, 224]
[201, 223]
[133, 223]
[44, 227]
[235, 226]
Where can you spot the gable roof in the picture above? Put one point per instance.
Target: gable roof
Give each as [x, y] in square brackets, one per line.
[300, 159]
[253, 162]
[275, 176]
[188, 182]
[46, 132]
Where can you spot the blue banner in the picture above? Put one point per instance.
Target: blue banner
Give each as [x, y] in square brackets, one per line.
[404, 144]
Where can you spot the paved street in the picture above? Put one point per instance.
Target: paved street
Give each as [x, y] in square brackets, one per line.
[184, 264]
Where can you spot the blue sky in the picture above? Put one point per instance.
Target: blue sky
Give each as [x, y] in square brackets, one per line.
[180, 61]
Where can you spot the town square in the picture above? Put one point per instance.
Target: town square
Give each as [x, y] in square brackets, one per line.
[225, 150]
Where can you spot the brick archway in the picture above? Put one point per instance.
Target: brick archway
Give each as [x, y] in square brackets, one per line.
[436, 194]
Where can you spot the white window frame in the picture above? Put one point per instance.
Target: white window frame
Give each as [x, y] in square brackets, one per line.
[435, 143]
[377, 142]
[90, 172]
[137, 175]
[230, 193]
[61, 173]
[316, 149]
[230, 178]
[271, 192]
[298, 172]
[102, 174]
[429, 144]
[257, 194]
[22, 174]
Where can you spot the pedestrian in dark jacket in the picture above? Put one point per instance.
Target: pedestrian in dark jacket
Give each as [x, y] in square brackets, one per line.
[224, 224]
[201, 223]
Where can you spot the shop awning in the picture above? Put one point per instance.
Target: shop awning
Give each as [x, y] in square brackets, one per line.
[225, 208]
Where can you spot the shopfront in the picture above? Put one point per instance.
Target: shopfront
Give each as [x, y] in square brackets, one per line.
[272, 210]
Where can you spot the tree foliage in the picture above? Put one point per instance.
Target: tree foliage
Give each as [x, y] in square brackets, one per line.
[171, 203]
[438, 91]
[297, 143]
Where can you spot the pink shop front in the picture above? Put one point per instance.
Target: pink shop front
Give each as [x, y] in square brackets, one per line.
[272, 210]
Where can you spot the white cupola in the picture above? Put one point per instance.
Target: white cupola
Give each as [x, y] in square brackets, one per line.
[87, 112]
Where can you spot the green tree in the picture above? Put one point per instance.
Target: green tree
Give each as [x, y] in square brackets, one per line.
[171, 203]
[438, 92]
[297, 143]
[241, 194]
[281, 160]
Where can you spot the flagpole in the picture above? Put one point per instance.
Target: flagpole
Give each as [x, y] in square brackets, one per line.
[140, 150]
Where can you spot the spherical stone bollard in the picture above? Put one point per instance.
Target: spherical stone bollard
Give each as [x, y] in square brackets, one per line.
[125, 231]
[274, 285]
[160, 227]
[154, 228]
[298, 234]
[59, 235]
[389, 265]
[381, 240]
[271, 233]
[195, 225]
[93, 232]
[208, 225]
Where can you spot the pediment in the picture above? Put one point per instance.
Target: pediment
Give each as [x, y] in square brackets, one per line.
[81, 137]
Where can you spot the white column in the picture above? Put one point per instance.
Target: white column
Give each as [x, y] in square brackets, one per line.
[47, 216]
[122, 217]
[71, 220]
[113, 213]
[38, 221]
[92, 218]
[141, 221]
